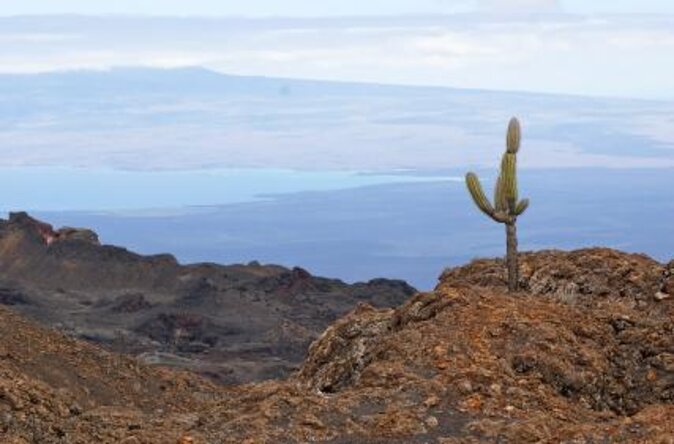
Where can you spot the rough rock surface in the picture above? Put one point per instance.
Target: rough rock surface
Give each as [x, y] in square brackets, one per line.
[602, 273]
[54, 389]
[234, 323]
[584, 354]
[465, 363]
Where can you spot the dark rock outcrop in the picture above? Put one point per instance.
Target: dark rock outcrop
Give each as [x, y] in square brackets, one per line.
[23, 221]
[235, 323]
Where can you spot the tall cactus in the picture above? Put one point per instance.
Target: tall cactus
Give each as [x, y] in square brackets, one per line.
[507, 206]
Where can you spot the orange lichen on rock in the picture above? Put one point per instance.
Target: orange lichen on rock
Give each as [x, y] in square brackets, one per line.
[584, 353]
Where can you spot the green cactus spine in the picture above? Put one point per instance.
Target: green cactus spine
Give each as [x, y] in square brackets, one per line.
[507, 206]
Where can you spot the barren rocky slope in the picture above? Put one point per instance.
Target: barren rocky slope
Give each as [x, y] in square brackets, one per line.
[55, 389]
[584, 354]
[233, 323]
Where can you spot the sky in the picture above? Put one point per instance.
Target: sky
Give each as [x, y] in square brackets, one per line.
[618, 48]
[304, 8]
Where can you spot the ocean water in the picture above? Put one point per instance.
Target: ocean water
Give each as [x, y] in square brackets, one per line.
[400, 226]
[158, 192]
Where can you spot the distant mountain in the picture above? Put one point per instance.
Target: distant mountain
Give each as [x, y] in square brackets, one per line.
[148, 81]
[192, 80]
[234, 323]
[195, 118]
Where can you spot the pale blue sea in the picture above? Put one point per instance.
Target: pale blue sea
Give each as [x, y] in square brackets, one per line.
[353, 226]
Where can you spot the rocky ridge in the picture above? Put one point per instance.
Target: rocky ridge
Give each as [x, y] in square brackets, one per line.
[584, 354]
[235, 323]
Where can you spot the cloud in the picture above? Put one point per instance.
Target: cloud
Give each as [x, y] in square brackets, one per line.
[35, 38]
[519, 6]
[620, 56]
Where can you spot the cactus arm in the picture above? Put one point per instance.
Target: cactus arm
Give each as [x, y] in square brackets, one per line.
[521, 207]
[509, 178]
[514, 136]
[477, 193]
[480, 199]
[500, 200]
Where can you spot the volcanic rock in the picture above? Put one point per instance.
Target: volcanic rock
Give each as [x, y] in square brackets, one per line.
[581, 359]
[470, 362]
[234, 323]
[54, 389]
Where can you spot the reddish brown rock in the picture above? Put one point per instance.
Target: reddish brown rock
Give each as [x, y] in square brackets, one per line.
[585, 358]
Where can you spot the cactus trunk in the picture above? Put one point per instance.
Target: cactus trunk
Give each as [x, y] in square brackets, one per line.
[511, 256]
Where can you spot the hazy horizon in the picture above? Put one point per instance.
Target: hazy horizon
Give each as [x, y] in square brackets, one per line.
[537, 46]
